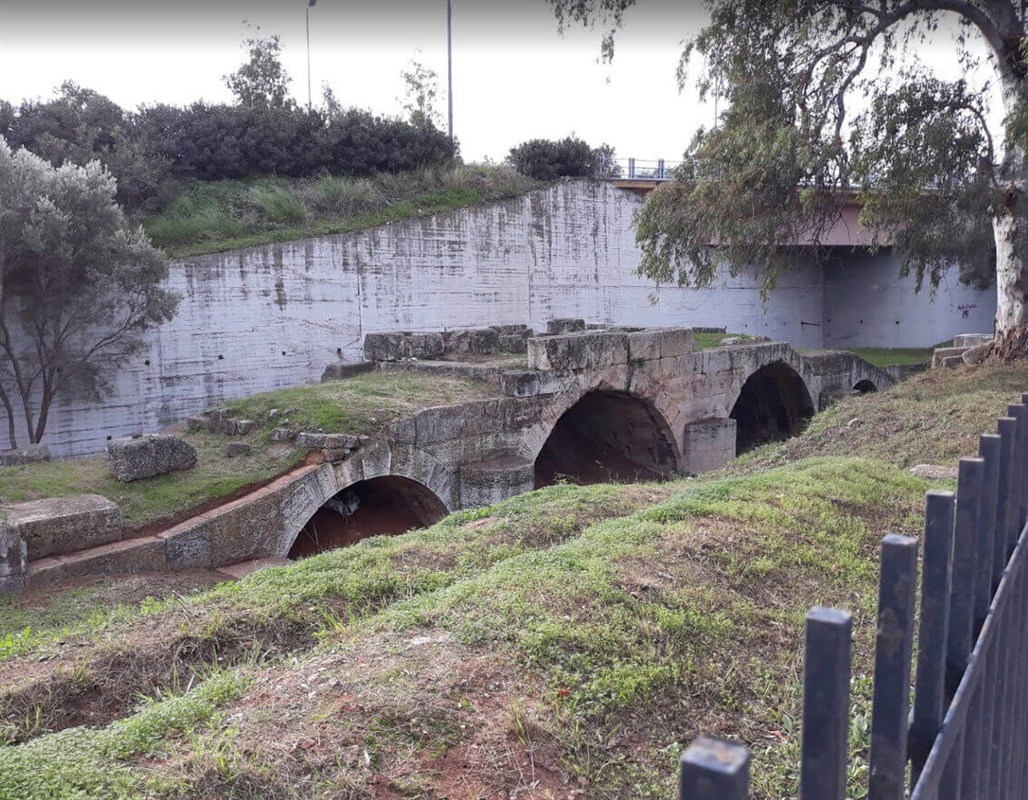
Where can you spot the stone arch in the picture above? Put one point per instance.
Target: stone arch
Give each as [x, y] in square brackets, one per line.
[607, 435]
[865, 386]
[773, 404]
[378, 460]
[384, 505]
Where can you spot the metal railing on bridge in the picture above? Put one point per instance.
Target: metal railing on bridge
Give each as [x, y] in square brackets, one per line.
[638, 169]
[967, 735]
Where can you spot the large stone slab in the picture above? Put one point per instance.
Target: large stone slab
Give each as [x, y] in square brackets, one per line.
[59, 525]
[578, 351]
[32, 454]
[395, 346]
[137, 458]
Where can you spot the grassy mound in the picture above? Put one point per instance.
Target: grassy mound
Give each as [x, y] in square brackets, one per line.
[209, 217]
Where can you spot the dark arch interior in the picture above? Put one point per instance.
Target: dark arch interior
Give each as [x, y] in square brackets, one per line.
[379, 506]
[865, 387]
[773, 405]
[606, 436]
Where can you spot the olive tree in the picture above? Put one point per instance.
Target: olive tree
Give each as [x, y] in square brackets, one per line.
[78, 287]
[828, 101]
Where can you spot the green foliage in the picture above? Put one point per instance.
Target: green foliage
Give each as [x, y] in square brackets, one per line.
[79, 125]
[547, 160]
[420, 94]
[78, 286]
[785, 157]
[262, 82]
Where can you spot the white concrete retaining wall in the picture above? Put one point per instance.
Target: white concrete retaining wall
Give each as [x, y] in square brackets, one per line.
[275, 316]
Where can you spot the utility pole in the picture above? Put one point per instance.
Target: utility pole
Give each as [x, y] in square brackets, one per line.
[449, 64]
[310, 5]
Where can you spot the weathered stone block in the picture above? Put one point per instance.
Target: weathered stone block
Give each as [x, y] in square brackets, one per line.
[398, 346]
[976, 354]
[422, 346]
[952, 362]
[514, 342]
[971, 339]
[148, 456]
[479, 341]
[59, 525]
[237, 450]
[383, 346]
[282, 435]
[940, 354]
[490, 481]
[649, 345]
[339, 441]
[339, 372]
[439, 424]
[708, 444]
[314, 441]
[511, 330]
[578, 351]
[557, 327]
[32, 454]
[13, 561]
[716, 361]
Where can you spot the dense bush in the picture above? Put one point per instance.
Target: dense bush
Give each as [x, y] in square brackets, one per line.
[145, 150]
[547, 160]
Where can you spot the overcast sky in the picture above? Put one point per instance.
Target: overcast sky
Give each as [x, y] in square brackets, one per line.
[514, 76]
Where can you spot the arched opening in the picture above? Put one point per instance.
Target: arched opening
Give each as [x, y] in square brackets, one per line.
[379, 506]
[773, 405]
[607, 436]
[865, 387]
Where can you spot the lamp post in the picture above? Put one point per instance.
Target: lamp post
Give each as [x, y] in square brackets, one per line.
[310, 4]
[449, 64]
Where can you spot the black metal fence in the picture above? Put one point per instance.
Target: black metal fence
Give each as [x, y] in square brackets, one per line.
[966, 737]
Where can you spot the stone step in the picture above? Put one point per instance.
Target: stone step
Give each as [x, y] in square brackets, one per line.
[59, 525]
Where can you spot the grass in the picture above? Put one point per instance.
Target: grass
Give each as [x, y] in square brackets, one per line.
[610, 621]
[209, 217]
[361, 405]
[708, 341]
[895, 356]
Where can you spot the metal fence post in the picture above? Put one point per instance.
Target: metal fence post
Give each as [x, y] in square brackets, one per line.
[960, 630]
[712, 769]
[826, 705]
[893, 644]
[930, 681]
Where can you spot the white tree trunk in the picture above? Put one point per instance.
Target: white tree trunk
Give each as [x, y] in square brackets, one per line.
[1011, 275]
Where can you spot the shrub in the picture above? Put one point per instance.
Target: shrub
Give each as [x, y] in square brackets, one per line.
[546, 160]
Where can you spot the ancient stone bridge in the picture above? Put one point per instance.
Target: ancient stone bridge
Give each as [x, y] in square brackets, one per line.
[591, 406]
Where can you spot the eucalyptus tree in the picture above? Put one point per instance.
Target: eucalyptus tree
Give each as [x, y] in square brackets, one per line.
[827, 101]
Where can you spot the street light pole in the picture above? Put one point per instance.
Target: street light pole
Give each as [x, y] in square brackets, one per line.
[449, 63]
[310, 4]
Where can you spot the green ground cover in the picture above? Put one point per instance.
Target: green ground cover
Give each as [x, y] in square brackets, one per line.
[214, 216]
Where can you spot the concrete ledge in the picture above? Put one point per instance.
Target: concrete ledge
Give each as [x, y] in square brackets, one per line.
[59, 525]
